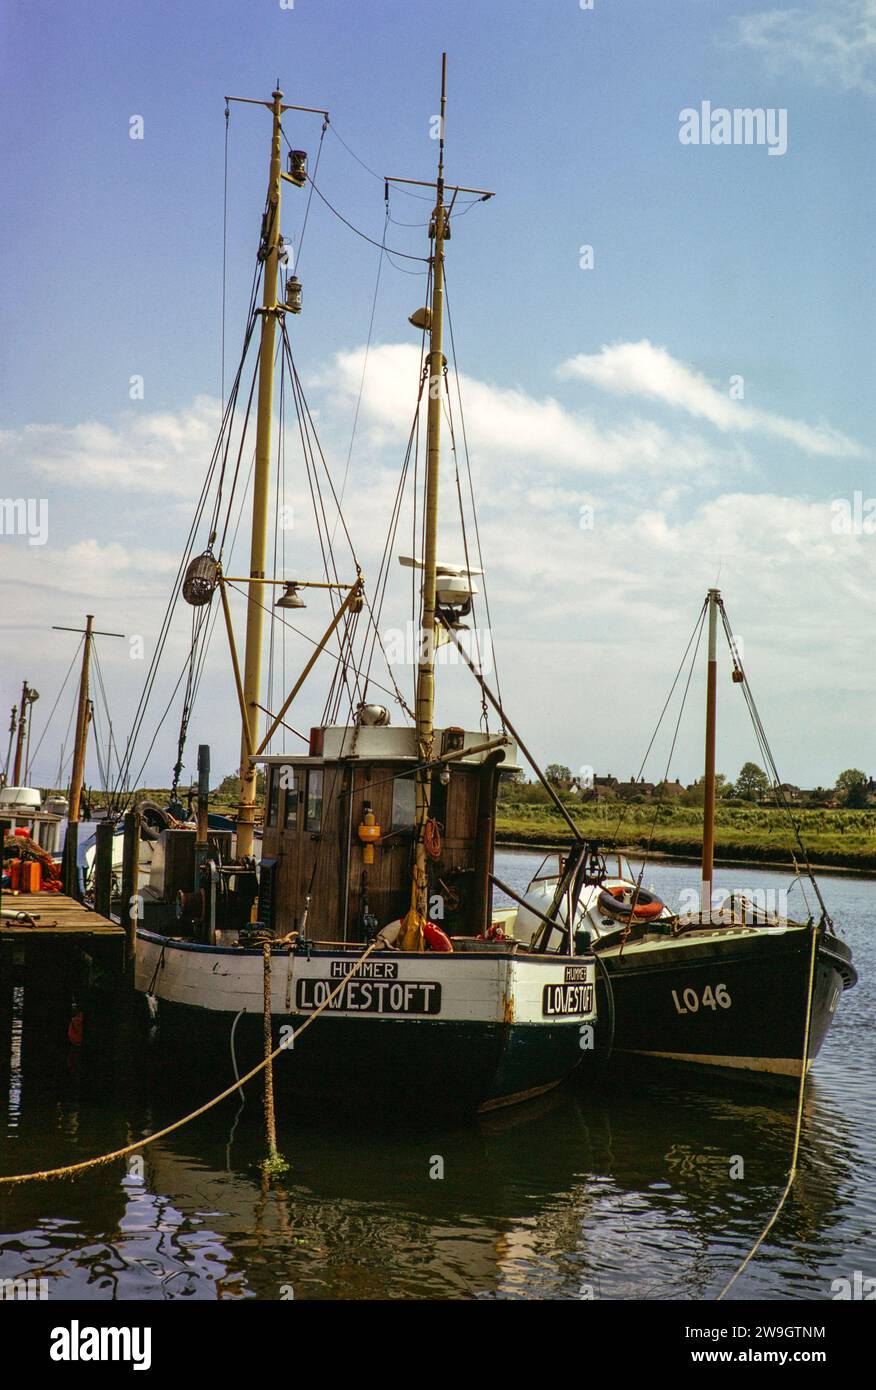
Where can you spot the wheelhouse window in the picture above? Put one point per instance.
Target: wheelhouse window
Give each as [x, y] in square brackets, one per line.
[404, 803]
[313, 808]
[273, 797]
[290, 808]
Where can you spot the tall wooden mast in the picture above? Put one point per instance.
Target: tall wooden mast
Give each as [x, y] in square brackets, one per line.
[272, 308]
[252, 671]
[709, 779]
[425, 702]
[77, 776]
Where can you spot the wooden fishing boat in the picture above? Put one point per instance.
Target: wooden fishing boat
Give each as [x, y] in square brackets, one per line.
[732, 987]
[375, 834]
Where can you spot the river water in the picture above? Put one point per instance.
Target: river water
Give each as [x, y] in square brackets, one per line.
[605, 1192]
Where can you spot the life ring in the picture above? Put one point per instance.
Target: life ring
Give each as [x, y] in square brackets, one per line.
[618, 902]
[436, 939]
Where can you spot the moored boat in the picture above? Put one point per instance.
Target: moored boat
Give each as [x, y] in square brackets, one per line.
[371, 905]
[731, 987]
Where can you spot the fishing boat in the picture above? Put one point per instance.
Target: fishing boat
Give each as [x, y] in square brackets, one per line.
[733, 986]
[377, 838]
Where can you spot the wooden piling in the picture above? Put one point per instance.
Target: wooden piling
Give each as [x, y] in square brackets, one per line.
[130, 908]
[103, 867]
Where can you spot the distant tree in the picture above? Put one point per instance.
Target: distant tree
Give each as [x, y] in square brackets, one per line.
[695, 794]
[229, 788]
[752, 782]
[852, 786]
[557, 775]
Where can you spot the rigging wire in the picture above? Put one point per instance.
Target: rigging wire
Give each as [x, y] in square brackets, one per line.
[364, 370]
[405, 255]
[474, 512]
[697, 630]
[57, 700]
[767, 754]
[297, 256]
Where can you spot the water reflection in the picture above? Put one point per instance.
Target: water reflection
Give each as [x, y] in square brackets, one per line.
[617, 1190]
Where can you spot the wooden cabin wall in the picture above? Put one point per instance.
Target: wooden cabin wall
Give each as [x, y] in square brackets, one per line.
[330, 861]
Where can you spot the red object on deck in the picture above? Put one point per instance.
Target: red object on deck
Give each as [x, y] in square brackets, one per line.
[14, 873]
[436, 938]
[31, 879]
[74, 1031]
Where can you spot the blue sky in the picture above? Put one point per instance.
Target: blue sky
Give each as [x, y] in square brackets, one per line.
[709, 262]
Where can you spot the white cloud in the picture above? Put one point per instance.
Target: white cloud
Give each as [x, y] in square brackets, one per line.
[641, 369]
[596, 613]
[835, 44]
[507, 424]
[143, 452]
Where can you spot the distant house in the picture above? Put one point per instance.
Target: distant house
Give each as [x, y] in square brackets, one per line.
[668, 790]
[627, 790]
[786, 792]
[595, 788]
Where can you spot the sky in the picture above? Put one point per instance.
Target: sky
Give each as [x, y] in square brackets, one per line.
[666, 348]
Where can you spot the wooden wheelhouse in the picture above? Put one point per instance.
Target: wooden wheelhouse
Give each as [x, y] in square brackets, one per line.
[321, 876]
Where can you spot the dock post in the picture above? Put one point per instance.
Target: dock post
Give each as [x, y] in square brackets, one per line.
[130, 908]
[103, 868]
[70, 865]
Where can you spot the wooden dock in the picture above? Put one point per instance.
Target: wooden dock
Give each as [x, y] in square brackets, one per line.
[62, 976]
[57, 918]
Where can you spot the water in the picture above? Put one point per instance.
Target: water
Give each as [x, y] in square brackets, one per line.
[616, 1193]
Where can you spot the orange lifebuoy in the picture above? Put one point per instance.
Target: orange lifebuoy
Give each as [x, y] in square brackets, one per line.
[436, 939]
[613, 901]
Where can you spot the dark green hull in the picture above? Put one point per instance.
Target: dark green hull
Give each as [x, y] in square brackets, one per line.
[390, 1066]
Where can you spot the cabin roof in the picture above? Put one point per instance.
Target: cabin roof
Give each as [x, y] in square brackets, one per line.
[386, 743]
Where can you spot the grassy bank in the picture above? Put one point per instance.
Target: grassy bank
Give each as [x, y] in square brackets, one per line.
[834, 838]
[745, 833]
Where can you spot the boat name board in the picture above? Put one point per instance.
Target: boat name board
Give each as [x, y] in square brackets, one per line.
[368, 970]
[559, 1001]
[371, 996]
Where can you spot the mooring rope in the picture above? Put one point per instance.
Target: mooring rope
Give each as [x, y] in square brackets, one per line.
[72, 1169]
[797, 1128]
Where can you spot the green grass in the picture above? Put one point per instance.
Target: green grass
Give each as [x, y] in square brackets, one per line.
[844, 839]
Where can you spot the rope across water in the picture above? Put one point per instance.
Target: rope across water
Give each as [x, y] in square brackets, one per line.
[73, 1169]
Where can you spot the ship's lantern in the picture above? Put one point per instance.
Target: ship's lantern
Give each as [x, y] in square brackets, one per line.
[297, 166]
[421, 318]
[293, 294]
[453, 740]
[290, 598]
[201, 579]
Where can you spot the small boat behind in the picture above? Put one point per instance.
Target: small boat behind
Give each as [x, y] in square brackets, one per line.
[729, 987]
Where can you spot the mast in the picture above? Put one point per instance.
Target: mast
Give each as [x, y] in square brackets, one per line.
[4, 776]
[713, 600]
[19, 742]
[425, 702]
[252, 674]
[77, 776]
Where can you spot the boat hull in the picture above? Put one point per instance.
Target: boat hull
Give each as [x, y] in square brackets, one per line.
[424, 1033]
[731, 1003]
